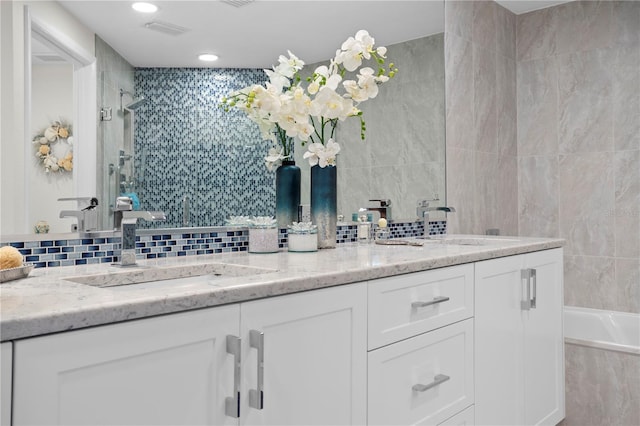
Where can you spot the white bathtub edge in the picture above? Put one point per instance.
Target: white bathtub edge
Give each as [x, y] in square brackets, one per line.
[608, 346]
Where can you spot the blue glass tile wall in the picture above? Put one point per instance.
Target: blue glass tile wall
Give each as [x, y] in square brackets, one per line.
[87, 251]
[185, 144]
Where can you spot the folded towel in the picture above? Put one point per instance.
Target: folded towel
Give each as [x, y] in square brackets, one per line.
[134, 198]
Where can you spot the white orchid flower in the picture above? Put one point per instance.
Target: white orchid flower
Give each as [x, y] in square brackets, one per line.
[381, 51]
[330, 105]
[274, 158]
[367, 82]
[356, 93]
[322, 155]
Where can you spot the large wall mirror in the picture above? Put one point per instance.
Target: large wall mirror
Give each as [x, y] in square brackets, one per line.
[59, 124]
[164, 139]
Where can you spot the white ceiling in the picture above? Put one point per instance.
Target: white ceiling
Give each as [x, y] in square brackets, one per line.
[254, 35]
[521, 6]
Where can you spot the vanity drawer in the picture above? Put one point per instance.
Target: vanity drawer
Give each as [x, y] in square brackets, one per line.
[407, 305]
[423, 380]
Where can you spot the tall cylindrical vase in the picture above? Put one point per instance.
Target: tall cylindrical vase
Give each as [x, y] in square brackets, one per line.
[324, 204]
[287, 193]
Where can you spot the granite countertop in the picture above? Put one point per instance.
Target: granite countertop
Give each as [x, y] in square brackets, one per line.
[48, 301]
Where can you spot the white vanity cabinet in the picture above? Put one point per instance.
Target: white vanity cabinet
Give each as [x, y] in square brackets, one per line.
[421, 336]
[314, 368]
[5, 383]
[172, 369]
[178, 369]
[519, 346]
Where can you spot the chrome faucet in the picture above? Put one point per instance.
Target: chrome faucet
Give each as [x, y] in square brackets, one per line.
[383, 207]
[423, 209]
[128, 226]
[87, 217]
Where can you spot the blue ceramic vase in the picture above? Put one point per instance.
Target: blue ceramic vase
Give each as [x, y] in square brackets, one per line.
[287, 193]
[324, 204]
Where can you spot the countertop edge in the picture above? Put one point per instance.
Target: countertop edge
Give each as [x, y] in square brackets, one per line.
[54, 321]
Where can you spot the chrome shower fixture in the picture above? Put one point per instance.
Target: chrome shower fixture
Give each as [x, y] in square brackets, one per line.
[135, 103]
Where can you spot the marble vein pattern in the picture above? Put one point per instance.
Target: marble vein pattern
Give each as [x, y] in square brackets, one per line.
[602, 387]
[49, 302]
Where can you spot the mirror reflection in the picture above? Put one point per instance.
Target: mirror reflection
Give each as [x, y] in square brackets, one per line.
[180, 152]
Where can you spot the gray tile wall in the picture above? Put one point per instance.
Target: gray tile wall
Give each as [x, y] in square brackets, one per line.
[578, 90]
[481, 150]
[569, 78]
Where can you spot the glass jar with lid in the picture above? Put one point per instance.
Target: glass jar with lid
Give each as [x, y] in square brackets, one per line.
[302, 237]
[263, 235]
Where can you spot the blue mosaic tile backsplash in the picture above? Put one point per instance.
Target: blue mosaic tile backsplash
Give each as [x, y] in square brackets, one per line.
[187, 145]
[87, 251]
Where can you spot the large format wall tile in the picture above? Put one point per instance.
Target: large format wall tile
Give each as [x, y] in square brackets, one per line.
[485, 24]
[626, 96]
[583, 25]
[507, 136]
[628, 285]
[537, 107]
[538, 205]
[486, 185]
[484, 82]
[603, 387]
[585, 101]
[625, 19]
[536, 35]
[506, 209]
[591, 282]
[506, 28]
[627, 203]
[586, 191]
[458, 16]
[460, 190]
[459, 92]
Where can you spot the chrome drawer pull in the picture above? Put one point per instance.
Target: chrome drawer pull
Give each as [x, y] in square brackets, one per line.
[232, 403]
[256, 396]
[435, 300]
[440, 378]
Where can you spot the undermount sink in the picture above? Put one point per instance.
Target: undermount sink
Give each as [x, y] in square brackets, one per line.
[471, 240]
[168, 276]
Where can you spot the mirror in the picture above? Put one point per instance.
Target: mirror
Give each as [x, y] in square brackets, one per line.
[402, 158]
[59, 101]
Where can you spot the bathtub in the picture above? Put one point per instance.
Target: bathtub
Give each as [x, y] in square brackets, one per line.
[609, 330]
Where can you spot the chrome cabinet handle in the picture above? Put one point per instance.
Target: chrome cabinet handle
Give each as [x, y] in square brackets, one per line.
[435, 300]
[525, 304]
[532, 274]
[440, 378]
[256, 396]
[232, 403]
[530, 300]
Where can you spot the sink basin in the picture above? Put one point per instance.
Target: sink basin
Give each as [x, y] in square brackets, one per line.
[170, 275]
[471, 240]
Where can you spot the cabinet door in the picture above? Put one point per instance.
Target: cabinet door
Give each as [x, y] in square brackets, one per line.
[172, 369]
[5, 383]
[498, 342]
[314, 358]
[544, 342]
[519, 350]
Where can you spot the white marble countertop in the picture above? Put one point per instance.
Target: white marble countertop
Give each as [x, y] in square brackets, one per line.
[48, 302]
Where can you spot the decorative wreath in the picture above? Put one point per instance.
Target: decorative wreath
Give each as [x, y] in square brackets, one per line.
[54, 147]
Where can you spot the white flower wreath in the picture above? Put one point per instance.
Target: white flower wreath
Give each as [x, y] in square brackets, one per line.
[54, 147]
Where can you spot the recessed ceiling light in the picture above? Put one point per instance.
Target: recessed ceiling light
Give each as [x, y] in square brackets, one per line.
[144, 7]
[208, 57]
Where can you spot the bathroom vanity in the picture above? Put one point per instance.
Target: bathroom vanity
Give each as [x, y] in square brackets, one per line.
[448, 333]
